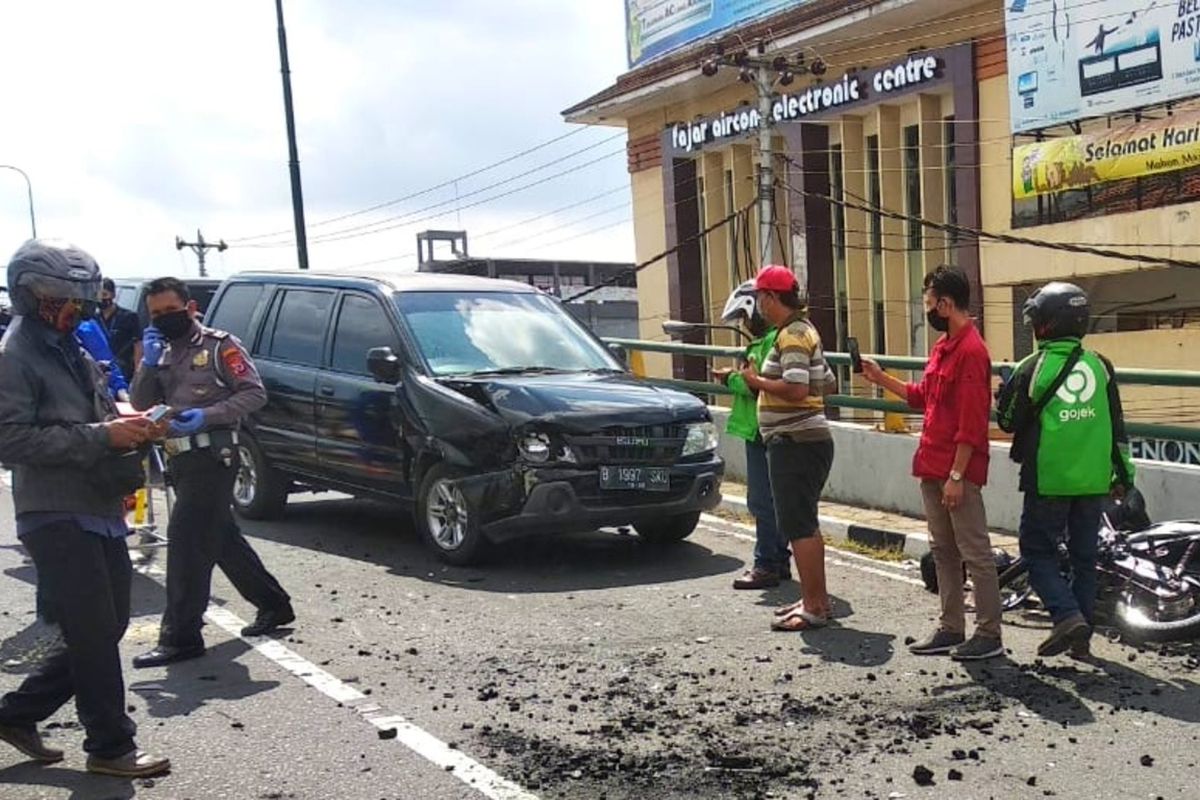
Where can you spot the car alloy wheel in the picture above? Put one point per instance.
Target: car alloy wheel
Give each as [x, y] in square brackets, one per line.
[447, 515]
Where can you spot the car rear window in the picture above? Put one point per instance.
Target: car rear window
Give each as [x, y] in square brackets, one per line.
[236, 309]
[299, 326]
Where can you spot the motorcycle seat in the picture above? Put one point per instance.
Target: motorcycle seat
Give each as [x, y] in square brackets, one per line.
[1166, 532]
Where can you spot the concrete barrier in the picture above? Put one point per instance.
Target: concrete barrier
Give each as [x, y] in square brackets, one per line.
[874, 470]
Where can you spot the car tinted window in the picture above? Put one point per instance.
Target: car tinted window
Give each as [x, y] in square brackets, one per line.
[203, 296]
[237, 306]
[300, 326]
[362, 324]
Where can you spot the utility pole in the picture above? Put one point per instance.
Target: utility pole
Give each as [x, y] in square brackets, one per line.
[766, 168]
[293, 156]
[763, 74]
[200, 248]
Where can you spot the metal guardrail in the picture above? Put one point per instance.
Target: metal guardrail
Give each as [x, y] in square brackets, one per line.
[1127, 377]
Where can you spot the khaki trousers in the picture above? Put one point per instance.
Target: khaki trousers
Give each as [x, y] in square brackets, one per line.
[956, 538]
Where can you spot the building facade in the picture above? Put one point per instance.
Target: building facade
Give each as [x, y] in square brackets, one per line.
[905, 150]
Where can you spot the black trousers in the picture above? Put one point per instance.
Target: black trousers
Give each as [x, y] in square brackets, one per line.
[202, 534]
[84, 581]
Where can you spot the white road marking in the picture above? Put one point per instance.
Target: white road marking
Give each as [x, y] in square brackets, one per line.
[722, 527]
[416, 739]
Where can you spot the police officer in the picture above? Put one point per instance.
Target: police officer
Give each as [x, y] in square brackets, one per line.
[60, 433]
[211, 385]
[1064, 409]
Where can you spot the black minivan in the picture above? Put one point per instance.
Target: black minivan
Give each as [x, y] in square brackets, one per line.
[479, 403]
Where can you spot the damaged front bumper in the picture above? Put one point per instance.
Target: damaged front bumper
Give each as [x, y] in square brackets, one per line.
[526, 500]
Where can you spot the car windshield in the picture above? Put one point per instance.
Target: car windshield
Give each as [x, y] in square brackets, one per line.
[466, 333]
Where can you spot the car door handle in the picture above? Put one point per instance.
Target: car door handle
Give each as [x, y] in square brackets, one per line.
[327, 390]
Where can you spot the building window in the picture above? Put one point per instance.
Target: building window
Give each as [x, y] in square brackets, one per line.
[731, 231]
[915, 257]
[912, 184]
[837, 190]
[951, 190]
[875, 192]
[837, 186]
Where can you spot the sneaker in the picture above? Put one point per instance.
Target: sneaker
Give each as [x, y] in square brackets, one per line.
[938, 644]
[1066, 633]
[978, 648]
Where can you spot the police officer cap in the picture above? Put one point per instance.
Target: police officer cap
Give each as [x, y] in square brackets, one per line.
[51, 269]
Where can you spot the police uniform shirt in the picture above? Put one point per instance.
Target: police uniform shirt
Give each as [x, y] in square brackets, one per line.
[209, 370]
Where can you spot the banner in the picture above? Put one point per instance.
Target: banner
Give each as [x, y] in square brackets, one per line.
[656, 27]
[1145, 148]
[1070, 59]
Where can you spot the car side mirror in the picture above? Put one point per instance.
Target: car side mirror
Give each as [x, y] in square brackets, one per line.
[383, 364]
[620, 354]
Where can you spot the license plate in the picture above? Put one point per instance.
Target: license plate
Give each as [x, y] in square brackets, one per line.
[645, 479]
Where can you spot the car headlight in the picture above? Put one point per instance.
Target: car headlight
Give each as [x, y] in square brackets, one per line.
[702, 437]
[535, 448]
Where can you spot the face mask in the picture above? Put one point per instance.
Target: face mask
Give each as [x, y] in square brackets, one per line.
[106, 303]
[936, 321]
[175, 324]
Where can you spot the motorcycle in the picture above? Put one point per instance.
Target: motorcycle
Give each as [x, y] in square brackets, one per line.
[1148, 575]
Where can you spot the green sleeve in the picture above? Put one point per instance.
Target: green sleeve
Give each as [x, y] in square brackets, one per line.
[738, 384]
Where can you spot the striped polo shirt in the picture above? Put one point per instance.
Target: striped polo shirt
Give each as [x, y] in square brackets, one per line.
[796, 358]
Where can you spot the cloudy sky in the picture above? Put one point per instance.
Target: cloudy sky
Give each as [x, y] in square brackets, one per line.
[140, 120]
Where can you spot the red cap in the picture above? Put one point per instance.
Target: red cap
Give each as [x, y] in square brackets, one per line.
[774, 278]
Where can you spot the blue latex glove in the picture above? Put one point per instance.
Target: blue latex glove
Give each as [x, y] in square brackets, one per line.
[187, 422]
[153, 344]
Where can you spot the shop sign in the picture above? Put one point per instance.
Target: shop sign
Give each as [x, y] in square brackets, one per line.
[1166, 450]
[853, 88]
[1071, 59]
[1072, 162]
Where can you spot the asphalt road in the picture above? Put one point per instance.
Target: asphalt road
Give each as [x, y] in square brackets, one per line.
[591, 666]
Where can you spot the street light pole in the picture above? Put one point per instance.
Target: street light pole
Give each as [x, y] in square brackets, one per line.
[29, 190]
[293, 156]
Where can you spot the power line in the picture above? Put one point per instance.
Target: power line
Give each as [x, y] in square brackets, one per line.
[669, 251]
[425, 191]
[397, 221]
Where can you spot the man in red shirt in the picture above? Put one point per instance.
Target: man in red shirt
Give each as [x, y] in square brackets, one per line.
[951, 462]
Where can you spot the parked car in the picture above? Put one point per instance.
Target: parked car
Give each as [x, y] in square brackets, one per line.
[131, 294]
[479, 403]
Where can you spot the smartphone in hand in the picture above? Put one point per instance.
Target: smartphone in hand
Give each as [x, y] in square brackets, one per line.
[158, 413]
[855, 354]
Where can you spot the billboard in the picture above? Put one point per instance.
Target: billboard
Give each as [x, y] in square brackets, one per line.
[656, 27]
[1071, 59]
[1128, 151]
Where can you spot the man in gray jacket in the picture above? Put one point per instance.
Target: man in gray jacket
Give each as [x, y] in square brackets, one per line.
[60, 434]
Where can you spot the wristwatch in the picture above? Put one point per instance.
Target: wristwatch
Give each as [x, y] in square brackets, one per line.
[956, 476]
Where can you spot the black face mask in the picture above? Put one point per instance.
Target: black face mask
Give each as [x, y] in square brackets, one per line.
[174, 325]
[936, 321]
[106, 302]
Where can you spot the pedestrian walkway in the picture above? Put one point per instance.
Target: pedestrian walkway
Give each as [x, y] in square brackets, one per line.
[864, 526]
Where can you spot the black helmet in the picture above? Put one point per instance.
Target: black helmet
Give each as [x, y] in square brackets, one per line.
[49, 269]
[1058, 310]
